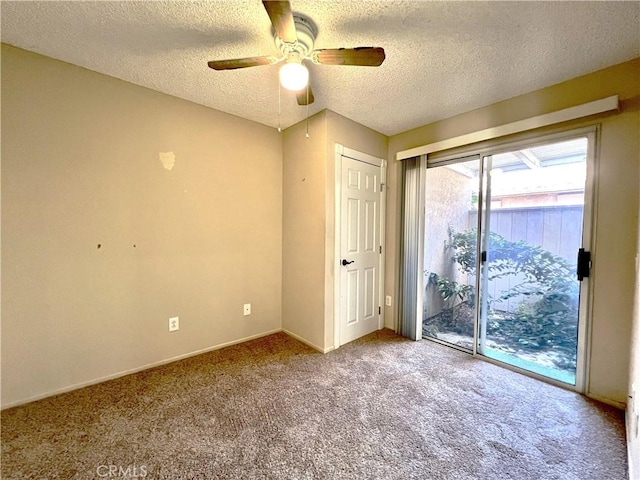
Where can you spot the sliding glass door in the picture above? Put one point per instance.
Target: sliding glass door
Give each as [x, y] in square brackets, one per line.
[502, 232]
[451, 218]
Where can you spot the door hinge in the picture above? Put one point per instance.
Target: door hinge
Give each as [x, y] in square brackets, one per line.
[380, 248]
[584, 264]
[379, 310]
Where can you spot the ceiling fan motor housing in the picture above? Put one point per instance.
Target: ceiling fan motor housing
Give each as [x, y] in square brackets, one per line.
[306, 32]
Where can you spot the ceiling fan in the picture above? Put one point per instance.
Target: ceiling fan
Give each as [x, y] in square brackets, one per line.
[295, 36]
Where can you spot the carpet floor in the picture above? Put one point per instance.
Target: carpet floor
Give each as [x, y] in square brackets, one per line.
[381, 407]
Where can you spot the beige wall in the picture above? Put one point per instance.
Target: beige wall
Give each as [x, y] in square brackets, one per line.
[309, 221]
[303, 235]
[617, 203]
[633, 405]
[80, 167]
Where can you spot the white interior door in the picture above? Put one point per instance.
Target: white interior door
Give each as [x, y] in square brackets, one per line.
[360, 249]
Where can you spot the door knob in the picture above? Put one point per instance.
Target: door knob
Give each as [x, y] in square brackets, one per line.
[345, 263]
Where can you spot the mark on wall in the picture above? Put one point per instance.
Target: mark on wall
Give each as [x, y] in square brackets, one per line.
[168, 160]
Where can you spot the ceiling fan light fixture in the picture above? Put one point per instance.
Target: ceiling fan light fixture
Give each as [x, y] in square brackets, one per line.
[294, 36]
[294, 76]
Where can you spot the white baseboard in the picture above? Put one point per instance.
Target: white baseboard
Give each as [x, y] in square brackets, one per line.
[307, 342]
[139, 369]
[632, 444]
[608, 401]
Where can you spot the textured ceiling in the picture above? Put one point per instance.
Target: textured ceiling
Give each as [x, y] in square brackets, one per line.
[443, 58]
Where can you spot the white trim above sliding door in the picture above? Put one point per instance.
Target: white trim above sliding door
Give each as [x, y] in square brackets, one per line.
[579, 111]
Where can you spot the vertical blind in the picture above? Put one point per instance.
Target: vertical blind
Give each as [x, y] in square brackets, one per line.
[410, 315]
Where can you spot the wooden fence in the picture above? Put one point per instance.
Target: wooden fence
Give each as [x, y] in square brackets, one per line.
[557, 229]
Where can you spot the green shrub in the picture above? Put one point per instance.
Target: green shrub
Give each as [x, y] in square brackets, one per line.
[549, 320]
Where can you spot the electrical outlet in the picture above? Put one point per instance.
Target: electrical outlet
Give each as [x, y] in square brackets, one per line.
[174, 324]
[247, 309]
[387, 300]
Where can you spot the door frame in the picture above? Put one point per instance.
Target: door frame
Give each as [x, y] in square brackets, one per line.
[588, 242]
[342, 151]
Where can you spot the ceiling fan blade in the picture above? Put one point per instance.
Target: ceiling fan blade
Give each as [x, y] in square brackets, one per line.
[281, 18]
[361, 56]
[242, 63]
[304, 98]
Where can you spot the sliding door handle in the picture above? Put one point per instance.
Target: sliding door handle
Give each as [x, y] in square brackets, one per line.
[584, 264]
